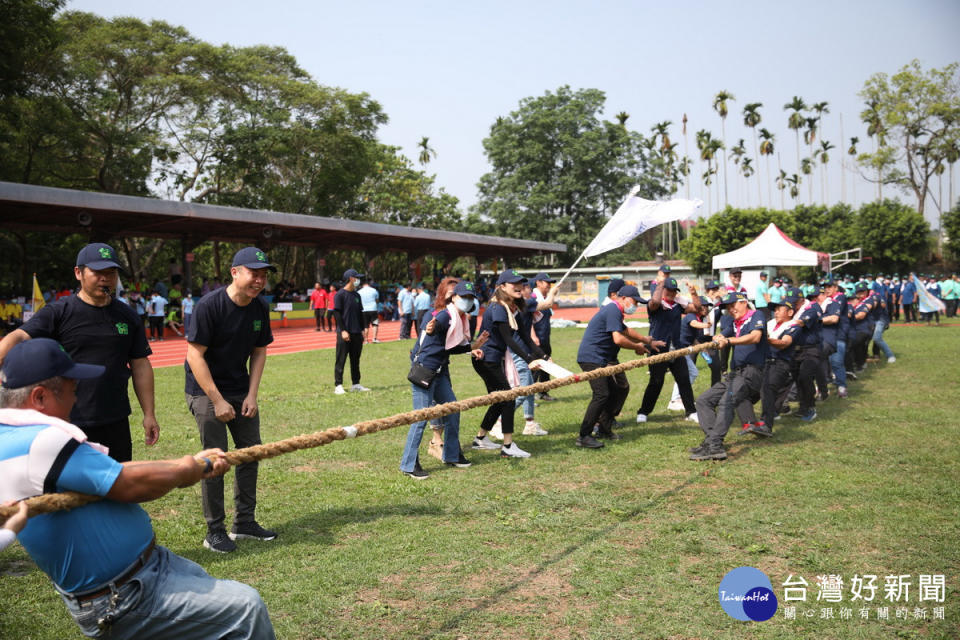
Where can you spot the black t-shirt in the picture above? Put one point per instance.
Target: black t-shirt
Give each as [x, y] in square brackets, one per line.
[111, 336]
[230, 333]
[350, 307]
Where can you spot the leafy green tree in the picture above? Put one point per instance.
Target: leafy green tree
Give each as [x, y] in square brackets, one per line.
[915, 116]
[951, 228]
[559, 170]
[894, 235]
[28, 33]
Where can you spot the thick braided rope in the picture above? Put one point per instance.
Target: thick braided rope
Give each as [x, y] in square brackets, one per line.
[60, 501]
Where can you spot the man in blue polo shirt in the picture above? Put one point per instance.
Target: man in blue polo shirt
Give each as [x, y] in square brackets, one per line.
[716, 405]
[666, 312]
[405, 304]
[908, 299]
[102, 557]
[806, 359]
[761, 298]
[605, 335]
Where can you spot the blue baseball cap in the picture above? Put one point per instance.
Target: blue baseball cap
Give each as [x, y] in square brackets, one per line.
[664, 268]
[543, 276]
[353, 273]
[734, 296]
[465, 288]
[615, 285]
[98, 256]
[789, 303]
[711, 284]
[630, 291]
[815, 291]
[510, 276]
[252, 258]
[671, 283]
[40, 359]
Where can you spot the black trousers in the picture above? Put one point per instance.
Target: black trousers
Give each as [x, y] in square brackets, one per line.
[952, 308]
[353, 348]
[406, 320]
[318, 315]
[156, 326]
[858, 348]
[806, 365]
[777, 378]
[609, 394]
[909, 312]
[495, 380]
[823, 375]
[678, 367]
[115, 436]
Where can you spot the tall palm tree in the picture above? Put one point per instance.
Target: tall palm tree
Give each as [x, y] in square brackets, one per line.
[782, 184]
[952, 154]
[426, 151]
[746, 168]
[806, 168]
[738, 151]
[720, 106]
[622, 118]
[794, 182]
[874, 121]
[751, 118]
[852, 152]
[661, 130]
[824, 157]
[766, 149]
[686, 155]
[796, 119]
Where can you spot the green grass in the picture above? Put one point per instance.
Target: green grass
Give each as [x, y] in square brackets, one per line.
[625, 542]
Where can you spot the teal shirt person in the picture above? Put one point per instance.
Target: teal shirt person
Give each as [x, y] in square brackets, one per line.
[776, 294]
[950, 289]
[759, 300]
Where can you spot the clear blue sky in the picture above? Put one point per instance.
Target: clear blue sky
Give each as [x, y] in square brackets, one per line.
[447, 70]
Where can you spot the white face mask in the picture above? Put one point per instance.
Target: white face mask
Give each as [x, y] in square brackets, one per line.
[628, 310]
[463, 304]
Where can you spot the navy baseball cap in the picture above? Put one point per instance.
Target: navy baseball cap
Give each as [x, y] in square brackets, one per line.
[630, 291]
[510, 276]
[665, 268]
[736, 270]
[763, 274]
[671, 283]
[40, 359]
[464, 288]
[353, 273]
[615, 285]
[789, 303]
[544, 276]
[98, 256]
[862, 286]
[705, 301]
[734, 296]
[252, 258]
[815, 291]
[829, 281]
[711, 284]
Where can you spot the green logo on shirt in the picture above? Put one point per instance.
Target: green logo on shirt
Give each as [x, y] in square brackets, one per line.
[257, 324]
[104, 252]
[122, 328]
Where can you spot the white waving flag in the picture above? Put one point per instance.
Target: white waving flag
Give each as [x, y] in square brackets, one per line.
[635, 216]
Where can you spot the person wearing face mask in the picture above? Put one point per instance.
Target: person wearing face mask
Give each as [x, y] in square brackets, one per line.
[666, 310]
[348, 313]
[226, 354]
[497, 368]
[445, 333]
[96, 328]
[605, 335]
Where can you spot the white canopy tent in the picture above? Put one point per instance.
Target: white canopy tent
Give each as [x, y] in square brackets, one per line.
[771, 248]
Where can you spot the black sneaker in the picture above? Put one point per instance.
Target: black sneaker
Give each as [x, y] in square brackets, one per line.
[710, 453]
[610, 434]
[251, 530]
[761, 429]
[462, 463]
[219, 542]
[588, 442]
[698, 448]
[418, 473]
[546, 397]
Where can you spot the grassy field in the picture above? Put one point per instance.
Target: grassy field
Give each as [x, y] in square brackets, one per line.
[630, 541]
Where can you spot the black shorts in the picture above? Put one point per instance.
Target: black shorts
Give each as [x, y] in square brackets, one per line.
[370, 318]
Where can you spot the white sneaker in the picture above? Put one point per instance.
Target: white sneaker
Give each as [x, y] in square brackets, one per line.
[641, 417]
[675, 405]
[532, 428]
[484, 443]
[693, 418]
[358, 387]
[497, 432]
[513, 451]
[891, 360]
[339, 390]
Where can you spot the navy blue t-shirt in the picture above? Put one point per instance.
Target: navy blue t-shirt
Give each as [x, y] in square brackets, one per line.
[787, 352]
[111, 336]
[541, 327]
[726, 325]
[597, 345]
[744, 354]
[432, 352]
[350, 307]
[829, 332]
[810, 316]
[689, 335]
[230, 333]
[665, 325]
[865, 324]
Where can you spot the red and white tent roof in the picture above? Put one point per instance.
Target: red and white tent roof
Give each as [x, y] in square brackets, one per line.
[772, 248]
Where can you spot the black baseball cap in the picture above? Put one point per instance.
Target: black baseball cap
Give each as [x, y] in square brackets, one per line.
[711, 284]
[736, 270]
[98, 256]
[630, 291]
[670, 283]
[510, 276]
[615, 285]
[664, 268]
[464, 288]
[252, 258]
[40, 359]
[815, 291]
[763, 274]
[353, 273]
[544, 276]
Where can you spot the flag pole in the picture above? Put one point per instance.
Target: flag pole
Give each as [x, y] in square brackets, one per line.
[575, 263]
